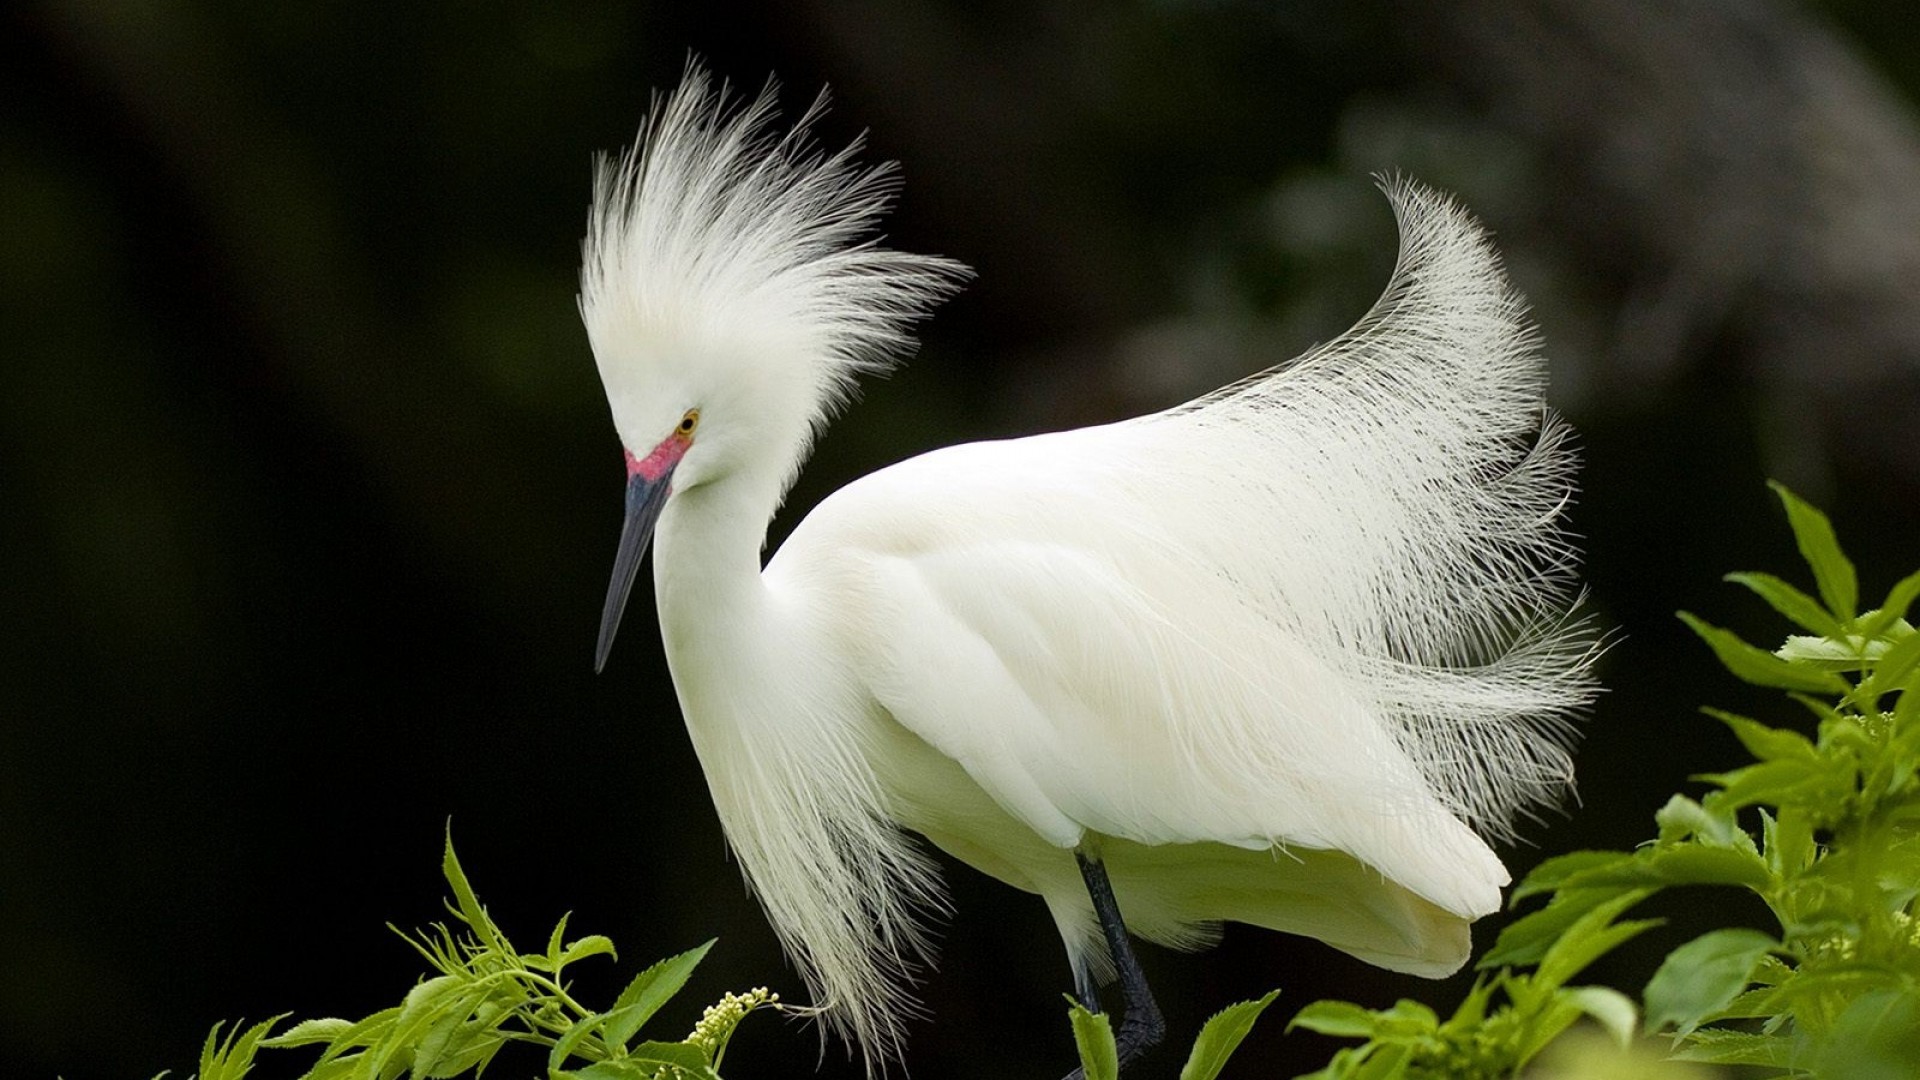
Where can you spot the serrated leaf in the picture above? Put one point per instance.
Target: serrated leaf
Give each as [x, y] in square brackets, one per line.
[231, 1058]
[552, 960]
[1763, 742]
[1789, 841]
[1760, 667]
[365, 1033]
[1894, 665]
[1093, 1035]
[1784, 783]
[1342, 1019]
[467, 904]
[474, 1055]
[1802, 609]
[1682, 817]
[1555, 872]
[1590, 937]
[648, 991]
[1832, 571]
[1685, 864]
[308, 1032]
[1703, 976]
[425, 1006]
[444, 1040]
[591, 945]
[1849, 653]
[1899, 601]
[1221, 1036]
[1715, 1046]
[1690, 864]
[336, 1069]
[439, 1030]
[1611, 1009]
[1526, 939]
[582, 1028]
[1877, 1036]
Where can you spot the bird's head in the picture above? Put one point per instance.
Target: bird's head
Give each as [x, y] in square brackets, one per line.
[732, 297]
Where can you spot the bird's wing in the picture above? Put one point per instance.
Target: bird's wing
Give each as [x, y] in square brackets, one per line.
[1325, 606]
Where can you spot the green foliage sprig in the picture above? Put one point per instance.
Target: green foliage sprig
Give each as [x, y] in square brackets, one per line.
[1218, 1039]
[1825, 830]
[486, 994]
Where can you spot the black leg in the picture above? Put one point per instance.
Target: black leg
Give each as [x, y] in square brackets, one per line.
[1142, 1027]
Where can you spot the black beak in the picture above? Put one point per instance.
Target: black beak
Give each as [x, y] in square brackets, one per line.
[645, 499]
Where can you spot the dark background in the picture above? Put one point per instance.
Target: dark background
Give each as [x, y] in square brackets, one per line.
[308, 494]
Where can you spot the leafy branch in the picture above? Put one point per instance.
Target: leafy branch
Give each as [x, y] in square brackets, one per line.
[486, 995]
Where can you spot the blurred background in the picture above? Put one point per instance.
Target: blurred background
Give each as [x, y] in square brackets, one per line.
[308, 492]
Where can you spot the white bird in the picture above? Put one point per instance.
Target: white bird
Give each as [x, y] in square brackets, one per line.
[1282, 655]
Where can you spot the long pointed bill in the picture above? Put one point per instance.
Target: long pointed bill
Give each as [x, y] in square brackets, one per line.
[649, 480]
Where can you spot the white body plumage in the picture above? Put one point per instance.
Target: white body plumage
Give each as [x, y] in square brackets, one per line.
[1273, 655]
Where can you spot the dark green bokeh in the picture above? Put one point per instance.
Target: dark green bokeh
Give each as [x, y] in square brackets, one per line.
[310, 493]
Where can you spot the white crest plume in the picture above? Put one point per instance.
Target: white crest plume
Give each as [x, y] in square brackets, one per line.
[717, 236]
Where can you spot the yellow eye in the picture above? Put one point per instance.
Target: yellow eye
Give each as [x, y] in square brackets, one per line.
[689, 422]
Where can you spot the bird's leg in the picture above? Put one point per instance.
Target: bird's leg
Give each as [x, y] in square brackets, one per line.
[1142, 1027]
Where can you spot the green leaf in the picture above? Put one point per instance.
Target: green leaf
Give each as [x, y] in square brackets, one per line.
[1093, 1035]
[1849, 653]
[1689, 864]
[1894, 665]
[365, 1033]
[1611, 1009]
[648, 991]
[1832, 572]
[308, 1032]
[1682, 817]
[1473, 1008]
[1735, 1048]
[426, 1005]
[1760, 667]
[231, 1058]
[1686, 864]
[552, 960]
[1763, 742]
[468, 905]
[1386, 1063]
[591, 945]
[1221, 1037]
[1526, 939]
[1804, 610]
[1554, 873]
[563, 1047]
[1544, 1026]
[1789, 841]
[1342, 1019]
[1591, 936]
[1899, 601]
[1815, 781]
[1702, 977]
[1877, 1036]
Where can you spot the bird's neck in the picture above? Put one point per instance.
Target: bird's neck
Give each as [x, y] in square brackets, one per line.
[706, 566]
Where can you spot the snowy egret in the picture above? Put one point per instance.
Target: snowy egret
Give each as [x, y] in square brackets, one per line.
[1282, 655]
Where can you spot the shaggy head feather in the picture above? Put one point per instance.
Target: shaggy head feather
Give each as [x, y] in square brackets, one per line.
[726, 268]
